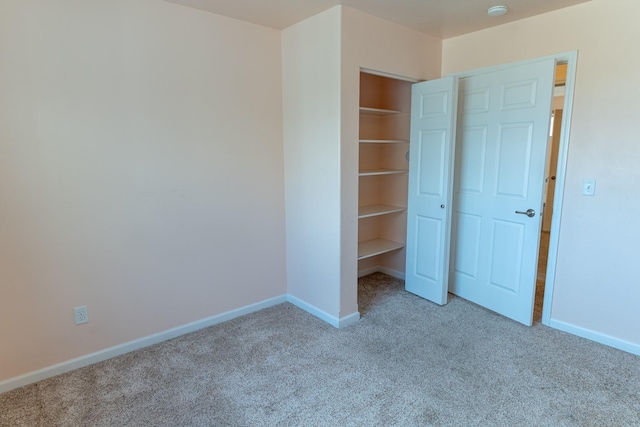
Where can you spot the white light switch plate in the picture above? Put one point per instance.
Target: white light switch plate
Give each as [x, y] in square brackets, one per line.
[589, 187]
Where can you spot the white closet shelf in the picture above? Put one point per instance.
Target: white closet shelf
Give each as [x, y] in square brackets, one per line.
[383, 141]
[377, 247]
[378, 111]
[374, 172]
[377, 210]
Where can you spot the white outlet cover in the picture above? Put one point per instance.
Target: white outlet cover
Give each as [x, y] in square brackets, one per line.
[81, 315]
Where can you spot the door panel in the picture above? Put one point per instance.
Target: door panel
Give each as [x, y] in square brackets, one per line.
[472, 159]
[429, 233]
[431, 152]
[433, 128]
[514, 159]
[506, 265]
[503, 128]
[467, 257]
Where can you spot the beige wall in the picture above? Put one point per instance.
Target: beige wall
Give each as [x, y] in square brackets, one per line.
[141, 172]
[596, 291]
[311, 100]
[322, 57]
[372, 43]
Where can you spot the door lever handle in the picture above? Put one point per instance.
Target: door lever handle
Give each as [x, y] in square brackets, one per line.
[530, 213]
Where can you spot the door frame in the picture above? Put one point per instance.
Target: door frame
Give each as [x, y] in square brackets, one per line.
[571, 58]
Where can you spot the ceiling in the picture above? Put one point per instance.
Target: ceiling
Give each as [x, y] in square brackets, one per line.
[439, 18]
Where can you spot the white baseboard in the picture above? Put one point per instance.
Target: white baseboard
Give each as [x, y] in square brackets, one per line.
[367, 271]
[323, 315]
[99, 356]
[349, 320]
[614, 342]
[70, 365]
[375, 269]
[393, 273]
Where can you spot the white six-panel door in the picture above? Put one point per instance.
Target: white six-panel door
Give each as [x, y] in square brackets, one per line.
[503, 128]
[491, 239]
[433, 107]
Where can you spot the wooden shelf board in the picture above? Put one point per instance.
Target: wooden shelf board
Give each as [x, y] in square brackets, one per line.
[374, 172]
[375, 247]
[378, 111]
[376, 210]
[383, 141]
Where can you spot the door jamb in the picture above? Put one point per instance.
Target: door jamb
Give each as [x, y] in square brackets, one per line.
[571, 58]
[563, 154]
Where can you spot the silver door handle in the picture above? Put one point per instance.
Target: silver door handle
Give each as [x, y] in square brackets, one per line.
[530, 213]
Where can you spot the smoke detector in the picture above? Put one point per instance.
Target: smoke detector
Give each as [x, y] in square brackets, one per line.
[497, 10]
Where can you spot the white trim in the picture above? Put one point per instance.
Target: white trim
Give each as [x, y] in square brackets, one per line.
[561, 172]
[349, 320]
[312, 309]
[118, 350]
[367, 271]
[608, 340]
[323, 315]
[389, 75]
[379, 269]
[393, 273]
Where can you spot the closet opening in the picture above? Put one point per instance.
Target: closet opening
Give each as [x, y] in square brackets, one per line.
[384, 128]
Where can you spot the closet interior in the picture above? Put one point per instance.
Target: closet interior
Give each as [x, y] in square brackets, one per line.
[385, 115]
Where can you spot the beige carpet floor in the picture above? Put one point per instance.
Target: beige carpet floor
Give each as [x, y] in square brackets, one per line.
[406, 363]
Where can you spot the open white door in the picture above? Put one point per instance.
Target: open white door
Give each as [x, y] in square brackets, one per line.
[433, 126]
[500, 163]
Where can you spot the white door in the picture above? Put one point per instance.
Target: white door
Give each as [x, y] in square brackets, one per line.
[503, 128]
[433, 125]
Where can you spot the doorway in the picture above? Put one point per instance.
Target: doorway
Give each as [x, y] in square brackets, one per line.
[568, 62]
[501, 152]
[550, 181]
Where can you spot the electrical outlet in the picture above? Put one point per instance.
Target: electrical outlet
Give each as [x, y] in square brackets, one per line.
[81, 315]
